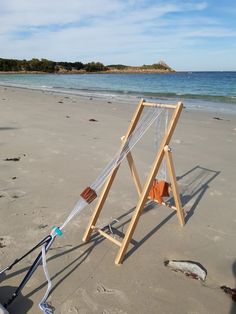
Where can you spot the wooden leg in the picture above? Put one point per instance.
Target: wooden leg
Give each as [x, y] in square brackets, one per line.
[174, 186]
[146, 189]
[110, 180]
[128, 235]
[134, 173]
[99, 206]
[141, 203]
[105, 192]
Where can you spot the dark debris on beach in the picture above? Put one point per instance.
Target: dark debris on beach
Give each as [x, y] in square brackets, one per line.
[231, 292]
[220, 119]
[12, 159]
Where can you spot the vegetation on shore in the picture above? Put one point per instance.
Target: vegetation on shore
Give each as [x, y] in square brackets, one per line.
[161, 66]
[48, 66]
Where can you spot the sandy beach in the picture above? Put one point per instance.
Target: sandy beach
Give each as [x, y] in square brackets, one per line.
[59, 153]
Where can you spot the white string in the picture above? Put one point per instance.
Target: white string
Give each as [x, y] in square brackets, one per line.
[143, 124]
[131, 141]
[43, 305]
[160, 131]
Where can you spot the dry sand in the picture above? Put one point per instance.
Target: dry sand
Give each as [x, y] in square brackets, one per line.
[61, 152]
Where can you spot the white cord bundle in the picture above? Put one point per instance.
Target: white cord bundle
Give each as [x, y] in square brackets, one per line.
[150, 115]
[160, 131]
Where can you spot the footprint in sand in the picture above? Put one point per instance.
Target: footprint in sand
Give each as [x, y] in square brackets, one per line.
[214, 238]
[101, 289]
[86, 304]
[113, 311]
[215, 193]
[3, 194]
[5, 241]
[12, 194]
[16, 194]
[177, 141]
[69, 307]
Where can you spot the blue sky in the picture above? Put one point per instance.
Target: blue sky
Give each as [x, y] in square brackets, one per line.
[188, 35]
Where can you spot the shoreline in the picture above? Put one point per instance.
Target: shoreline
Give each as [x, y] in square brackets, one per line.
[139, 71]
[191, 103]
[115, 72]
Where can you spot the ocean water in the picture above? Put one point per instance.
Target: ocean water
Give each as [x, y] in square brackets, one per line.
[210, 91]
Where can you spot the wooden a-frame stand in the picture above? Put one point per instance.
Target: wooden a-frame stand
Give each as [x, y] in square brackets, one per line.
[143, 192]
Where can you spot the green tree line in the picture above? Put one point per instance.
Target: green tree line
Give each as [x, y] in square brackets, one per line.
[48, 66]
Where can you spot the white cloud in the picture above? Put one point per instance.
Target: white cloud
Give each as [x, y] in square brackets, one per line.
[15, 14]
[124, 31]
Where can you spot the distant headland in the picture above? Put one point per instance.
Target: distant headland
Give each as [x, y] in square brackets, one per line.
[48, 66]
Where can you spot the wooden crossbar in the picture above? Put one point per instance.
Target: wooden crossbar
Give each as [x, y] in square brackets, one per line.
[143, 191]
[168, 205]
[167, 106]
[106, 235]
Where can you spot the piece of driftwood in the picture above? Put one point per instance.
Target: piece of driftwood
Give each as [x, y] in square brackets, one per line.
[231, 292]
[190, 268]
[12, 159]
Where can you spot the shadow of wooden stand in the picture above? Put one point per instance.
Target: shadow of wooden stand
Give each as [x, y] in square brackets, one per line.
[143, 192]
[197, 181]
[194, 184]
[21, 306]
